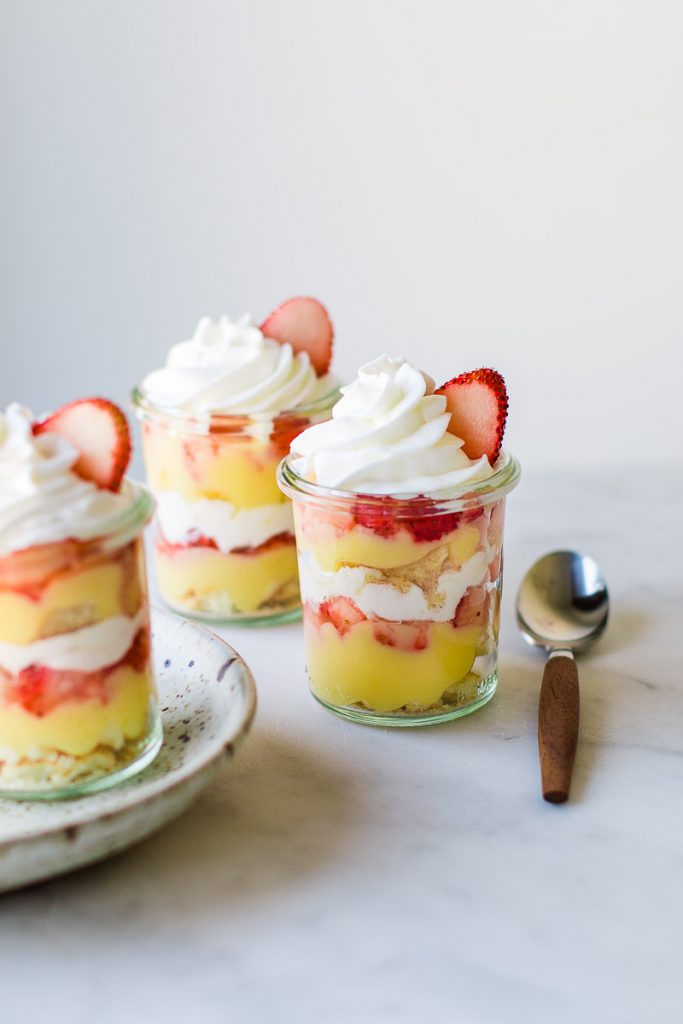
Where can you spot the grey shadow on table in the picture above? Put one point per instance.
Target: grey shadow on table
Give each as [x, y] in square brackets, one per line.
[274, 816]
[626, 627]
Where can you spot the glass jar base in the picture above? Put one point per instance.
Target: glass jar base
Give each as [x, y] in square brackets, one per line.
[136, 758]
[272, 617]
[486, 688]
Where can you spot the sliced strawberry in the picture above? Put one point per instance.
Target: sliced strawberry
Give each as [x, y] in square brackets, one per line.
[376, 515]
[478, 404]
[315, 520]
[285, 429]
[312, 617]
[406, 636]
[429, 528]
[473, 608]
[304, 324]
[29, 570]
[342, 613]
[98, 430]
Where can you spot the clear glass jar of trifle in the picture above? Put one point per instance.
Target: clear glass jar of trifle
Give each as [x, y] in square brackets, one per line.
[216, 421]
[401, 593]
[424, 645]
[78, 704]
[223, 533]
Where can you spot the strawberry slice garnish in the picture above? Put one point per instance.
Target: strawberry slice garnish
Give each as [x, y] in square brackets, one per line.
[304, 324]
[98, 430]
[478, 404]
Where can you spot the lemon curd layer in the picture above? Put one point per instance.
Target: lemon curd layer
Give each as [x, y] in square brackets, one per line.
[355, 668]
[77, 727]
[239, 470]
[361, 546]
[74, 599]
[205, 579]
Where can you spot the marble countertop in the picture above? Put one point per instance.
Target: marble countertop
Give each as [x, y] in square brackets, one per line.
[336, 872]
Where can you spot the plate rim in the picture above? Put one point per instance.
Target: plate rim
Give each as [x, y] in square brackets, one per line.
[158, 786]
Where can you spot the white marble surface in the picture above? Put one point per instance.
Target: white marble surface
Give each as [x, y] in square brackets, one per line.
[336, 872]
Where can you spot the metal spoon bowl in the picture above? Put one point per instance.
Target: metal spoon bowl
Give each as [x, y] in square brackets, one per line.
[563, 607]
[563, 602]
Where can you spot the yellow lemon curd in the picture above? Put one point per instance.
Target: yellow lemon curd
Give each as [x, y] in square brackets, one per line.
[240, 470]
[355, 668]
[79, 727]
[235, 469]
[205, 579]
[91, 594]
[75, 598]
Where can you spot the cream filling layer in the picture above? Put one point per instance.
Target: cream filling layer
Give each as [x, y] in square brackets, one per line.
[219, 521]
[82, 650]
[383, 599]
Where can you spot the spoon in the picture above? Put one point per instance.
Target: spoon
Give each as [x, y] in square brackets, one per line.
[562, 606]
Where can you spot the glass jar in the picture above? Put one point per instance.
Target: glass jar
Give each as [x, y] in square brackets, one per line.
[224, 534]
[78, 707]
[401, 598]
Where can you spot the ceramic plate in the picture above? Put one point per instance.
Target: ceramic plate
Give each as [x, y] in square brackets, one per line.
[208, 699]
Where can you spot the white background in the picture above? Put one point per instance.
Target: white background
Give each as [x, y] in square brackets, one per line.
[490, 182]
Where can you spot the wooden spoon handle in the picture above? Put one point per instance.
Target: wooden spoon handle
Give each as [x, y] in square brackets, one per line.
[558, 726]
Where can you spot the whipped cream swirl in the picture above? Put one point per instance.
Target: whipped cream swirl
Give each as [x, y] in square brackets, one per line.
[388, 435]
[231, 367]
[41, 498]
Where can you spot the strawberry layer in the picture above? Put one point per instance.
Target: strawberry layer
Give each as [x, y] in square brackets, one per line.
[39, 689]
[95, 732]
[167, 549]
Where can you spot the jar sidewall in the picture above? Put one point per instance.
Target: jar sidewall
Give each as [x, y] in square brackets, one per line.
[304, 492]
[201, 424]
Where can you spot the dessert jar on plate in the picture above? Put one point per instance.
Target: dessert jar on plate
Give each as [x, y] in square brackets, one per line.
[216, 420]
[223, 535]
[401, 597]
[78, 707]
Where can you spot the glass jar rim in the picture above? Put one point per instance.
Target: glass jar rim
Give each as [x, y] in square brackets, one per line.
[194, 422]
[112, 532]
[472, 495]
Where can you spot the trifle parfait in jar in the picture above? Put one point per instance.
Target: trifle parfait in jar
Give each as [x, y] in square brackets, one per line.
[78, 708]
[216, 421]
[399, 505]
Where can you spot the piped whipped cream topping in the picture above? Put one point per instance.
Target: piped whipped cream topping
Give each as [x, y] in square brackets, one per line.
[231, 367]
[41, 499]
[388, 435]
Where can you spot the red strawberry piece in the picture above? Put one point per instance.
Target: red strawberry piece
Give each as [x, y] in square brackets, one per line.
[478, 404]
[376, 515]
[315, 519]
[473, 607]
[30, 569]
[98, 430]
[342, 613]
[496, 565]
[285, 429]
[433, 527]
[312, 617]
[406, 636]
[304, 324]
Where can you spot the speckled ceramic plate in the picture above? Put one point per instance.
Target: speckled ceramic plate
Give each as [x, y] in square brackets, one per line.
[208, 699]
